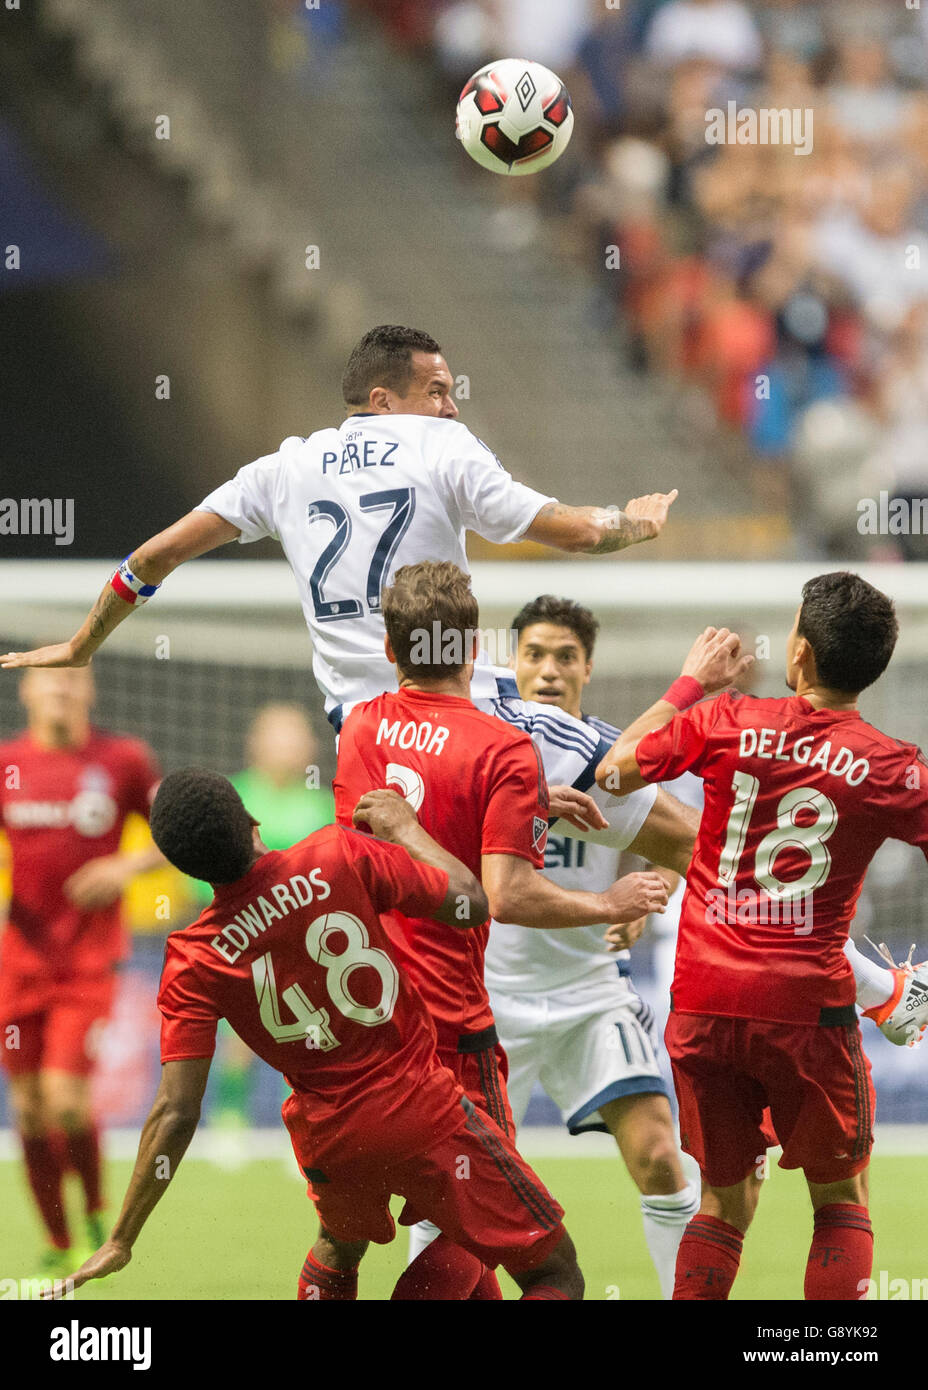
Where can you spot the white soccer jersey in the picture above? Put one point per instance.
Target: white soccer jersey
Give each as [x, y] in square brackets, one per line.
[351, 505]
[520, 959]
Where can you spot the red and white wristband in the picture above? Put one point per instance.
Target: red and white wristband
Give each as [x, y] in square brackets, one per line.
[129, 587]
[685, 691]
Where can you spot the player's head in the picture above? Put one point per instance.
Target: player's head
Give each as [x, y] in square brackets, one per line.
[398, 371]
[281, 743]
[843, 636]
[199, 823]
[58, 700]
[432, 622]
[554, 651]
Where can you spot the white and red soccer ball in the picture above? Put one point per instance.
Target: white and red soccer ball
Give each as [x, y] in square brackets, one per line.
[515, 117]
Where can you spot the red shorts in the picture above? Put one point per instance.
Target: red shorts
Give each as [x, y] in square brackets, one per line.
[815, 1080]
[466, 1176]
[482, 1075]
[62, 1034]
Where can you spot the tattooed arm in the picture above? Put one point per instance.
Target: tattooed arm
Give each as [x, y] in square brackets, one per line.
[193, 535]
[600, 530]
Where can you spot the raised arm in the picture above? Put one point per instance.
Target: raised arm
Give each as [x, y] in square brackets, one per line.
[600, 530]
[195, 534]
[714, 661]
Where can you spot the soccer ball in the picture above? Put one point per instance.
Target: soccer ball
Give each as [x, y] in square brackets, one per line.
[514, 117]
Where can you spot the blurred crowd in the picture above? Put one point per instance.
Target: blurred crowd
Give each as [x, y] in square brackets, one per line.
[787, 290]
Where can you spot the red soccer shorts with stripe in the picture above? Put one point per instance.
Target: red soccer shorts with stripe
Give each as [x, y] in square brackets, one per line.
[54, 1026]
[465, 1175]
[814, 1078]
[482, 1074]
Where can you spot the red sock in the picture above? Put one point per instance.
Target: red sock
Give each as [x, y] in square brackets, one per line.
[441, 1271]
[488, 1289]
[841, 1256]
[84, 1158]
[707, 1260]
[44, 1172]
[539, 1292]
[320, 1284]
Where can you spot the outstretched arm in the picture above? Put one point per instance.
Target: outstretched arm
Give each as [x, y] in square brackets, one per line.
[518, 893]
[167, 1132]
[195, 534]
[600, 530]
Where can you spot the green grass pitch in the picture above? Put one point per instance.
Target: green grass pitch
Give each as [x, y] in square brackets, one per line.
[221, 1234]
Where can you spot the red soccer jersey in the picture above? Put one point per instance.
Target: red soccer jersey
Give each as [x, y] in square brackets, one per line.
[478, 787]
[798, 801]
[59, 808]
[296, 957]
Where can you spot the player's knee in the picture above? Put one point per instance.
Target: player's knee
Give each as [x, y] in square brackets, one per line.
[28, 1112]
[66, 1106]
[559, 1269]
[734, 1205]
[338, 1254]
[655, 1163]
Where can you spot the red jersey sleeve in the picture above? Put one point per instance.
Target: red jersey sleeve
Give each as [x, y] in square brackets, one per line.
[680, 745]
[516, 817]
[393, 880]
[909, 807]
[143, 777]
[188, 1018]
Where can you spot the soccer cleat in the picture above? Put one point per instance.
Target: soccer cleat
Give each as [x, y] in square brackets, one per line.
[96, 1225]
[54, 1264]
[903, 1018]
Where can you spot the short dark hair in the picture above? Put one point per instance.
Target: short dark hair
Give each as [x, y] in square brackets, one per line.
[383, 357]
[430, 613]
[851, 628]
[199, 823]
[561, 612]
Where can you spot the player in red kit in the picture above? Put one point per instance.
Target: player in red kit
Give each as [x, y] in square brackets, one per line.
[66, 789]
[292, 951]
[800, 794]
[478, 787]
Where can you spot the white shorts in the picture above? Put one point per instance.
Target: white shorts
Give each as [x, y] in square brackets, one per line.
[587, 1044]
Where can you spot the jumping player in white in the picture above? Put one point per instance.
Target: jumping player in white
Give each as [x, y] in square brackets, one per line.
[398, 482]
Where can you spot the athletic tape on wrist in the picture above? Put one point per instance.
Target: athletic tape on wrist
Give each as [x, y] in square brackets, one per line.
[129, 587]
[685, 691]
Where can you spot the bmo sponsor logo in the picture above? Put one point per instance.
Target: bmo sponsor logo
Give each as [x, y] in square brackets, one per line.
[92, 811]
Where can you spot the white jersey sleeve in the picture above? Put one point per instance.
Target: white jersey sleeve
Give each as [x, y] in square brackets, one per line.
[485, 498]
[570, 751]
[247, 500]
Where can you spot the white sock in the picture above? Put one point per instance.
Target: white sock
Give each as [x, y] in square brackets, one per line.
[665, 1219]
[874, 982]
[420, 1236]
